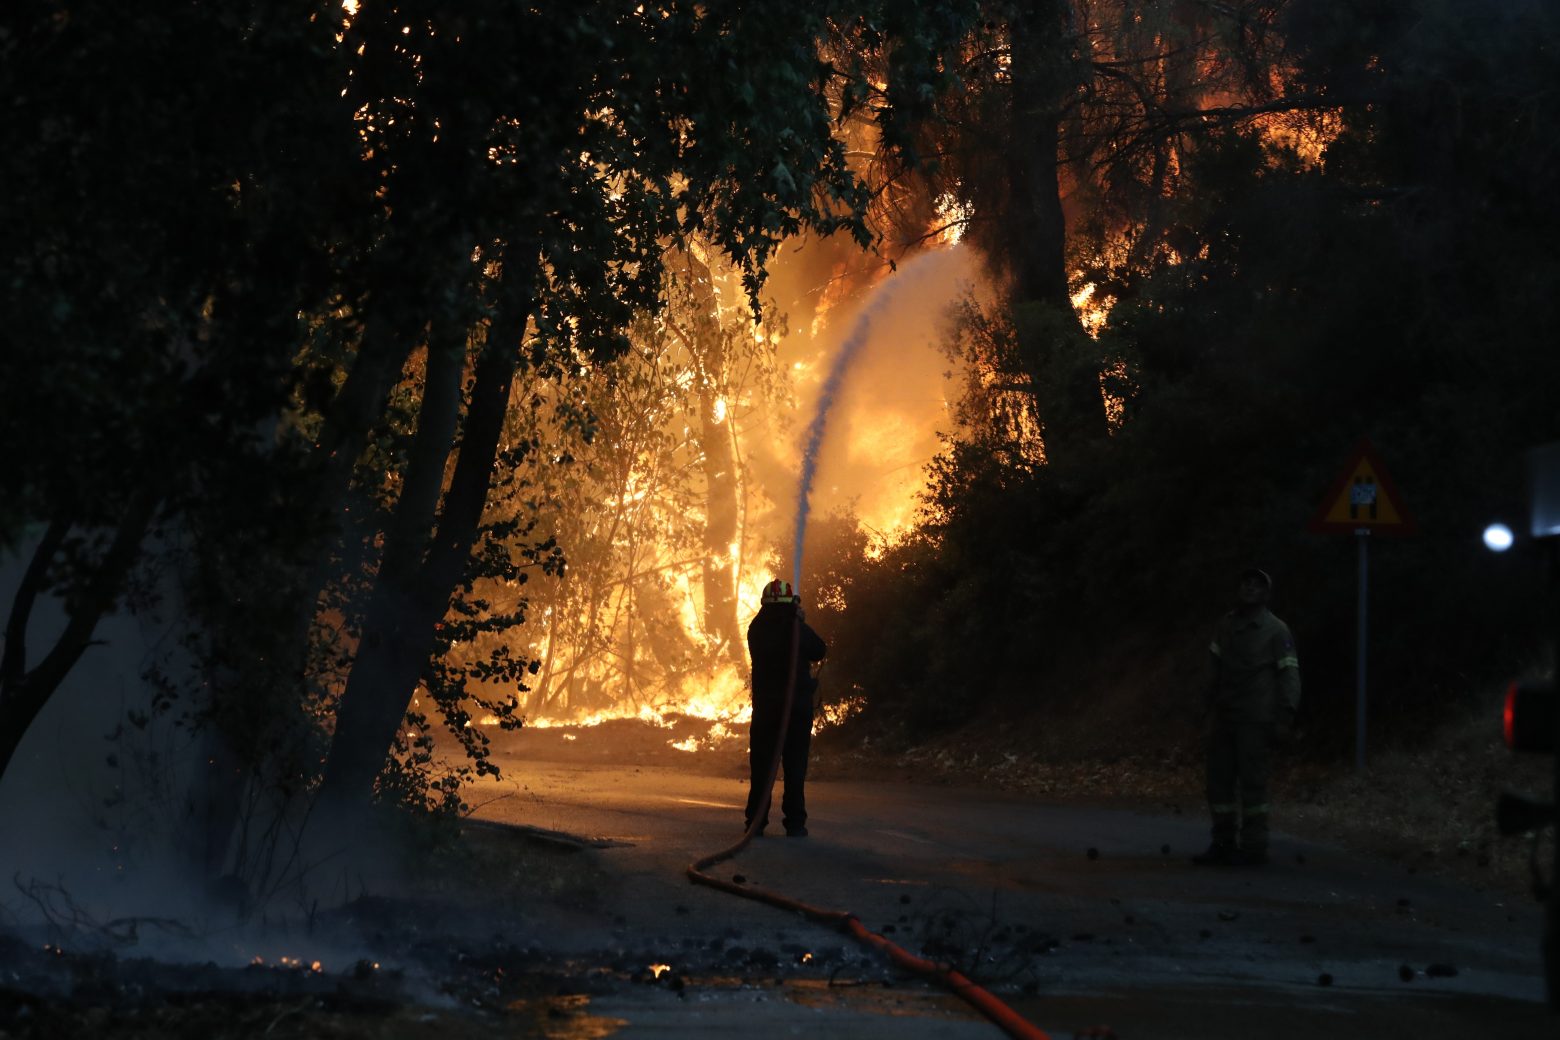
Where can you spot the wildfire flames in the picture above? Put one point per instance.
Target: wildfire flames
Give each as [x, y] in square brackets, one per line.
[718, 696]
[661, 641]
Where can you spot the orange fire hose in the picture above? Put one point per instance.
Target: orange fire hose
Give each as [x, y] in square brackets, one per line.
[1011, 1022]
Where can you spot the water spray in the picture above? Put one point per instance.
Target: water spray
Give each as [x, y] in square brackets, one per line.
[906, 276]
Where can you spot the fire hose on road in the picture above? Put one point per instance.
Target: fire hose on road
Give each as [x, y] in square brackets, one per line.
[982, 1000]
[1011, 1022]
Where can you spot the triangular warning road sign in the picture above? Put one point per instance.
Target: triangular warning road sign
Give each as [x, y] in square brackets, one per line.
[1363, 499]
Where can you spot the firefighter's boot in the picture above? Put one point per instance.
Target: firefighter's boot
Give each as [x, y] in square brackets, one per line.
[1254, 837]
[1221, 851]
[1216, 856]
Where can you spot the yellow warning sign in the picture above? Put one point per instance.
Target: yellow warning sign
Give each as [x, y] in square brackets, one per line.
[1363, 499]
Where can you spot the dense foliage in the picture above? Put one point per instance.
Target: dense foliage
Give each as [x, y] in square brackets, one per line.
[278, 278]
[1270, 306]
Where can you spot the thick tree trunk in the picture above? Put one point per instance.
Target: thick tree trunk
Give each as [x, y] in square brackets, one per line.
[321, 496]
[233, 746]
[412, 592]
[231, 753]
[1056, 353]
[720, 530]
[406, 541]
[722, 490]
[1038, 240]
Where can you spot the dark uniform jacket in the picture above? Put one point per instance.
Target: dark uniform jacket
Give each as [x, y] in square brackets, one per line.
[1256, 672]
[769, 644]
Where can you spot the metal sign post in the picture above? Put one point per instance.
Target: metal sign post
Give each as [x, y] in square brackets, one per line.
[1362, 536]
[1362, 502]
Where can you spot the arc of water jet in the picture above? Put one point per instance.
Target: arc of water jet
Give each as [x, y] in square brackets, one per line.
[907, 275]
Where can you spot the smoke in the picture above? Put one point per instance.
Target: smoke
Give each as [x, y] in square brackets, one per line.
[98, 809]
[903, 308]
[91, 803]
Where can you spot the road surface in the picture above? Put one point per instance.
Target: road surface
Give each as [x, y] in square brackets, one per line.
[1077, 917]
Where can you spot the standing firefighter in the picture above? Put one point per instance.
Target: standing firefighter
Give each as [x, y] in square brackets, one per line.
[1253, 693]
[782, 647]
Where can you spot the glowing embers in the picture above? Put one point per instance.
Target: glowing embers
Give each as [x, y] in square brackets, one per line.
[296, 964]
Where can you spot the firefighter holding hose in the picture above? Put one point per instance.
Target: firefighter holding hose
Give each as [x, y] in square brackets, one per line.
[783, 647]
[1253, 693]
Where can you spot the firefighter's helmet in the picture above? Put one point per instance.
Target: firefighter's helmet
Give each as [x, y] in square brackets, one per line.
[779, 591]
[1258, 575]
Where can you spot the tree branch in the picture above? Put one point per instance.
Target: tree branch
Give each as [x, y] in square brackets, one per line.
[14, 664]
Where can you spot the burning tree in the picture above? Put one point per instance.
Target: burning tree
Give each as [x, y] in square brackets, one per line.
[1057, 159]
[422, 217]
[652, 507]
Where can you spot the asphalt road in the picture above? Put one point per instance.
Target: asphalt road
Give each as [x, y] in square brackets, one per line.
[1078, 917]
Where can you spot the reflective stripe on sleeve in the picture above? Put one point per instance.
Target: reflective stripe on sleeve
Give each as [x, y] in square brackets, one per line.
[1288, 662]
[1214, 646]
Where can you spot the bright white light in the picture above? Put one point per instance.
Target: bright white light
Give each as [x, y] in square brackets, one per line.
[1498, 538]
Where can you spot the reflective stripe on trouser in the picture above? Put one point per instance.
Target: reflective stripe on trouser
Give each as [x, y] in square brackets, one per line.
[1238, 776]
